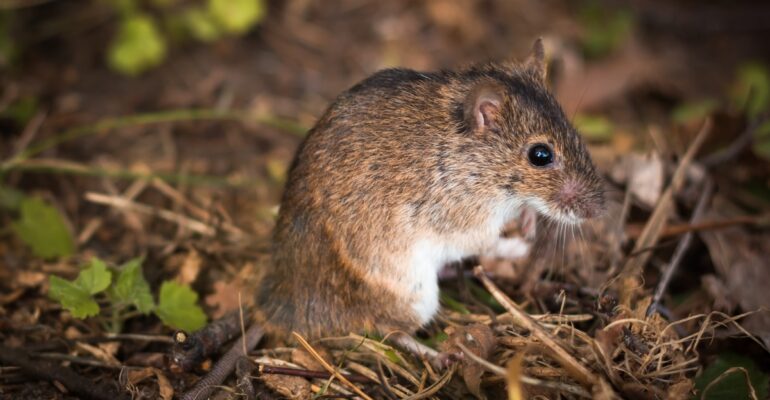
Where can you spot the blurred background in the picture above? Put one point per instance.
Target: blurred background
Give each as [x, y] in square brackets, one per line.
[164, 128]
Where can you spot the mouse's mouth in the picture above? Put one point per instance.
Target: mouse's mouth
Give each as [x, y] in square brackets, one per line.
[560, 215]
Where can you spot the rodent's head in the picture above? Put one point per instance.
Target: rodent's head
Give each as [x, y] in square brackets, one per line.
[538, 157]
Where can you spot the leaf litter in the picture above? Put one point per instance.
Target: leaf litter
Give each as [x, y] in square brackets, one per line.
[570, 322]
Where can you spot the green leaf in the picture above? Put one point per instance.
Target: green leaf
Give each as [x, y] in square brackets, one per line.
[77, 296]
[483, 295]
[734, 385]
[201, 25]
[761, 144]
[594, 127]
[604, 29]
[94, 279]
[695, 111]
[131, 287]
[237, 16]
[453, 304]
[751, 91]
[177, 307]
[392, 356]
[10, 198]
[137, 47]
[42, 228]
[72, 297]
[21, 111]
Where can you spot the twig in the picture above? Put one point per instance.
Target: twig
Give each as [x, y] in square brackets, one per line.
[527, 380]
[573, 367]
[436, 386]
[225, 365]
[174, 195]
[736, 147]
[32, 128]
[327, 366]
[191, 349]
[144, 119]
[657, 221]
[271, 369]
[77, 384]
[681, 248]
[62, 166]
[243, 371]
[633, 231]
[125, 204]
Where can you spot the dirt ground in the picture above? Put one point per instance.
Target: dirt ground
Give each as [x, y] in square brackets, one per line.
[183, 165]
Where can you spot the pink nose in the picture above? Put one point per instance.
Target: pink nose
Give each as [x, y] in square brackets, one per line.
[576, 197]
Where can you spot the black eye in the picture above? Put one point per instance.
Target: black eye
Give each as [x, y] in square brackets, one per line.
[540, 155]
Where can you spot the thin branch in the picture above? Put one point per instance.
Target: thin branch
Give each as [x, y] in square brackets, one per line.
[225, 366]
[577, 370]
[43, 370]
[125, 204]
[327, 366]
[681, 248]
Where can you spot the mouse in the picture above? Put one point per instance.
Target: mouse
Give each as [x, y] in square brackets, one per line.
[408, 171]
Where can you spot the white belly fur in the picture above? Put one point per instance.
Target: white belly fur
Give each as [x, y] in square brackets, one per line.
[430, 253]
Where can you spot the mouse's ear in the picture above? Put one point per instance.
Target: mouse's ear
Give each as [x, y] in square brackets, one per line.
[482, 107]
[535, 64]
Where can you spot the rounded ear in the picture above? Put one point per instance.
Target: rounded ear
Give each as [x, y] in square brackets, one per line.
[536, 64]
[483, 107]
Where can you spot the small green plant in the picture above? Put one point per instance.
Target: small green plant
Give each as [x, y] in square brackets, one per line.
[146, 29]
[40, 225]
[731, 376]
[126, 294]
[604, 29]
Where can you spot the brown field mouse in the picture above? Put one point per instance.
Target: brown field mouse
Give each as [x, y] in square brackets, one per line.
[408, 171]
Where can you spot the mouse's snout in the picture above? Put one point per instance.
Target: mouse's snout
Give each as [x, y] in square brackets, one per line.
[579, 199]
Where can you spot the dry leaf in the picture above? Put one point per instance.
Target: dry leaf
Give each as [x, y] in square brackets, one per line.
[224, 298]
[292, 387]
[740, 261]
[190, 268]
[643, 175]
[303, 358]
[479, 339]
[165, 390]
[103, 354]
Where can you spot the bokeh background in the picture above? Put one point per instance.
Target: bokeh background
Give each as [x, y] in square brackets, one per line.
[164, 128]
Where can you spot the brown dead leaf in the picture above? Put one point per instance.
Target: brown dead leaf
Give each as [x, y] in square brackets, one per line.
[224, 298]
[190, 268]
[479, 339]
[165, 390]
[740, 260]
[104, 352]
[304, 359]
[643, 175]
[292, 387]
[608, 339]
[681, 390]
[30, 279]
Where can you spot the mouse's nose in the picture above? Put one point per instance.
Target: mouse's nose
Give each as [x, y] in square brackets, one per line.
[580, 198]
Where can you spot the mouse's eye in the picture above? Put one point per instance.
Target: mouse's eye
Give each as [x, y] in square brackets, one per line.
[540, 155]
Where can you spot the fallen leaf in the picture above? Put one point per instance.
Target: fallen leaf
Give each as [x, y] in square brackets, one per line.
[165, 390]
[479, 339]
[224, 298]
[740, 262]
[643, 175]
[292, 387]
[190, 268]
[103, 354]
